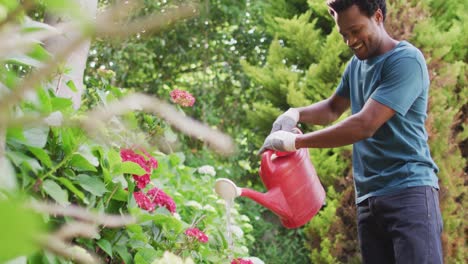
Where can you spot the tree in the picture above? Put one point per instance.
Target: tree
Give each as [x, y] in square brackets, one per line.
[69, 81]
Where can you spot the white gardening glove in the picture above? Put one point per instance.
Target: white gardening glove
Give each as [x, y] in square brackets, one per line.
[286, 121]
[283, 141]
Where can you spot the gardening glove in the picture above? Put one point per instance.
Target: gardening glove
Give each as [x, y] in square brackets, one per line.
[286, 121]
[283, 141]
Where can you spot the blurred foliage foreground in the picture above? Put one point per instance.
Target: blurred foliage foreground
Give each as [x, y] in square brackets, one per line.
[104, 174]
[79, 181]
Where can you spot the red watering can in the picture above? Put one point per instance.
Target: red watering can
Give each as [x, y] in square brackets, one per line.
[295, 193]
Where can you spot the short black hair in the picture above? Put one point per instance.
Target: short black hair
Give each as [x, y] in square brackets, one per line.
[368, 7]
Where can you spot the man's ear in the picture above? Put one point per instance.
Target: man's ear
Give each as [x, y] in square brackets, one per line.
[331, 12]
[378, 15]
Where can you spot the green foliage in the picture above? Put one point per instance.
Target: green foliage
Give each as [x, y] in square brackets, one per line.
[274, 243]
[56, 158]
[64, 165]
[19, 229]
[446, 52]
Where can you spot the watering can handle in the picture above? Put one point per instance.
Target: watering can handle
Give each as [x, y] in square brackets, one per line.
[267, 164]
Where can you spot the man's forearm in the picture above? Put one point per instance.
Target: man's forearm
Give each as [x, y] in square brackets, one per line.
[317, 114]
[324, 112]
[348, 131]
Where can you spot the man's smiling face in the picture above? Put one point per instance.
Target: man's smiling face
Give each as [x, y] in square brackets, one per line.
[361, 33]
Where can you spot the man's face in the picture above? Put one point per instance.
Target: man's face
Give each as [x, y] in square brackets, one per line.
[361, 33]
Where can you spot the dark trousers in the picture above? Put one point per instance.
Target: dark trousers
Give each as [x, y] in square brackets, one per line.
[404, 227]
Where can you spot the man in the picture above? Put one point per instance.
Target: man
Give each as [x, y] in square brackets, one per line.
[386, 85]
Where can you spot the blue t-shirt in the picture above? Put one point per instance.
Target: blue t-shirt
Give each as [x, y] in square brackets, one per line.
[397, 156]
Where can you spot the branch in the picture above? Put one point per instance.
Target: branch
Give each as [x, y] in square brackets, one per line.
[61, 248]
[83, 214]
[215, 139]
[25, 6]
[150, 23]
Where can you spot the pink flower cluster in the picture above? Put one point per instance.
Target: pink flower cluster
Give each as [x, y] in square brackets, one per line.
[154, 197]
[241, 261]
[182, 98]
[195, 232]
[148, 164]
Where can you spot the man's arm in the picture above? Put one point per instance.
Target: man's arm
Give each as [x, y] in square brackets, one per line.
[324, 112]
[352, 129]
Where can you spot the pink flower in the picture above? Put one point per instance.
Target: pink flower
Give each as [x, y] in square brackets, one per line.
[154, 197]
[143, 201]
[196, 233]
[182, 98]
[148, 164]
[158, 197]
[142, 181]
[241, 261]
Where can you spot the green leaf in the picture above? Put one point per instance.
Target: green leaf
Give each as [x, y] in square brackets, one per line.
[56, 192]
[106, 246]
[93, 185]
[72, 86]
[19, 227]
[123, 253]
[7, 175]
[15, 134]
[61, 104]
[42, 155]
[25, 60]
[119, 194]
[167, 222]
[113, 158]
[38, 52]
[145, 256]
[85, 151]
[70, 186]
[131, 168]
[81, 163]
[36, 136]
[69, 141]
[23, 161]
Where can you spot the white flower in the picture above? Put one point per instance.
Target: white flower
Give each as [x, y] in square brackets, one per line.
[237, 231]
[255, 260]
[194, 204]
[209, 208]
[177, 216]
[207, 169]
[54, 119]
[169, 258]
[244, 218]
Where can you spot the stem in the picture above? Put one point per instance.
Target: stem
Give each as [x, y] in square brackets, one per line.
[110, 196]
[54, 169]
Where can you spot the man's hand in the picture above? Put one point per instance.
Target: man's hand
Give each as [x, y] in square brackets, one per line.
[286, 121]
[280, 141]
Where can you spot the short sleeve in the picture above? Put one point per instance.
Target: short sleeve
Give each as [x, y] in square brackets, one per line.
[343, 86]
[402, 81]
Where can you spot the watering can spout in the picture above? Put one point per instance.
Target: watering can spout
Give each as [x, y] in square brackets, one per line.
[273, 200]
